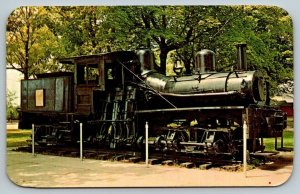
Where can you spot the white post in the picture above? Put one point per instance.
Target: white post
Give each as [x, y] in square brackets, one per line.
[32, 141]
[81, 142]
[146, 127]
[245, 148]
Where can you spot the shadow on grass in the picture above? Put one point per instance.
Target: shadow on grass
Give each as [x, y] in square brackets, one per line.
[278, 162]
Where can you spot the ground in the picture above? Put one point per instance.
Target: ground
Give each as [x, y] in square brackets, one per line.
[54, 171]
[42, 171]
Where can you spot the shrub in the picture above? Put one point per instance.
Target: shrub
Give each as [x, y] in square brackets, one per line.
[11, 108]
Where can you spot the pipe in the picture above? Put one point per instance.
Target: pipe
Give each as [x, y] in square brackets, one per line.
[203, 94]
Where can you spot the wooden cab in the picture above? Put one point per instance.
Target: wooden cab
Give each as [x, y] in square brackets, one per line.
[95, 75]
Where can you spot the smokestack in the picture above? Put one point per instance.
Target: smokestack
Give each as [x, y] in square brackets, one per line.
[241, 57]
[146, 58]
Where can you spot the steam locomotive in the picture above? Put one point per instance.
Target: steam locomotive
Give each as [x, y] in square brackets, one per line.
[115, 94]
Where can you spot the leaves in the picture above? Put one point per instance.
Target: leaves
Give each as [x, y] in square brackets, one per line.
[11, 107]
[31, 45]
[38, 35]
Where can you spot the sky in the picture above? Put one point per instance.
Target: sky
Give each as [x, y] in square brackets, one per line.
[13, 83]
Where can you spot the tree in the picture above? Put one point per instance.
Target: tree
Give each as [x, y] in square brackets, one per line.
[267, 30]
[169, 28]
[143, 27]
[80, 29]
[30, 43]
[37, 35]
[211, 22]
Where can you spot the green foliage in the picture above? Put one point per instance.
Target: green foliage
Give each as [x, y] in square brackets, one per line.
[17, 138]
[268, 34]
[11, 108]
[175, 31]
[288, 137]
[31, 45]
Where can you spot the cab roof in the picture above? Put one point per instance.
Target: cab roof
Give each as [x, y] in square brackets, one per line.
[94, 59]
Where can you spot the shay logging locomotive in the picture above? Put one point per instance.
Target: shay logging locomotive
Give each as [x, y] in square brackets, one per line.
[115, 94]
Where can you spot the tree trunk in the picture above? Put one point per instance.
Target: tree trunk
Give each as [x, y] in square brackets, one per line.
[187, 66]
[163, 60]
[26, 65]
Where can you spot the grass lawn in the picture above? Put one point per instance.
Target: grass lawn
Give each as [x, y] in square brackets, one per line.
[288, 141]
[17, 137]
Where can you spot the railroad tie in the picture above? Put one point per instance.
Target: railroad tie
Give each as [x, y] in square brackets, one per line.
[90, 155]
[154, 161]
[205, 166]
[135, 159]
[187, 165]
[118, 157]
[168, 162]
[103, 156]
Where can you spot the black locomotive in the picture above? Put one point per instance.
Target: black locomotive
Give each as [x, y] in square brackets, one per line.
[115, 94]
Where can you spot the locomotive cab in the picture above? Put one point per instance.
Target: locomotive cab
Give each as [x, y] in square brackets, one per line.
[95, 75]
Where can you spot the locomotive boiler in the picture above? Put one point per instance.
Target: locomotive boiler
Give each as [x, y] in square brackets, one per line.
[115, 94]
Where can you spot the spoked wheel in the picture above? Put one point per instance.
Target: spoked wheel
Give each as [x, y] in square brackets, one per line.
[221, 151]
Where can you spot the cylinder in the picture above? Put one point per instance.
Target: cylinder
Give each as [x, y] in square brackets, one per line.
[241, 57]
[205, 61]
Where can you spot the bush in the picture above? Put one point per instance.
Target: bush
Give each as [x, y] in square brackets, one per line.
[11, 108]
[12, 113]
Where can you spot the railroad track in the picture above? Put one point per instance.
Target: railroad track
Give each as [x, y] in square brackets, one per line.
[155, 158]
